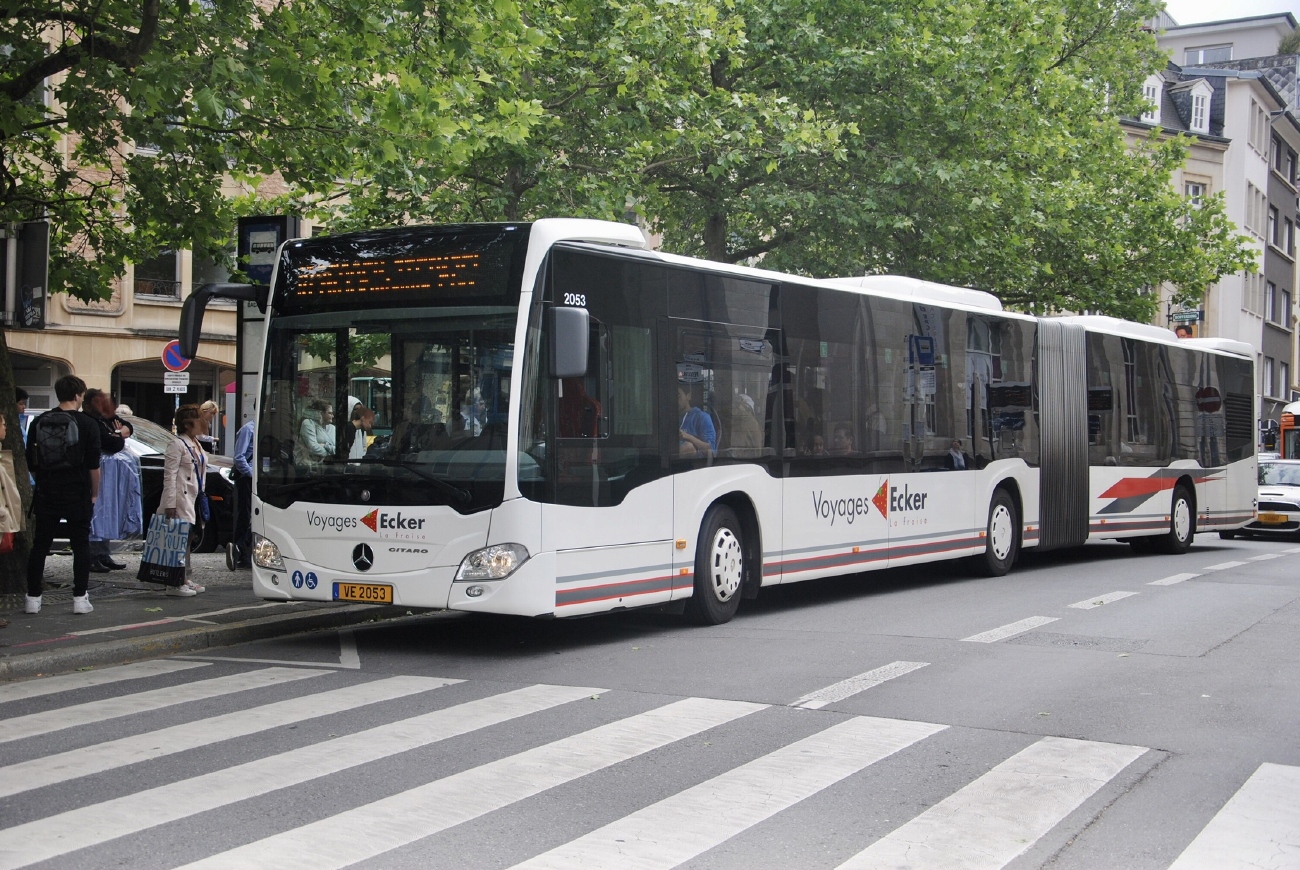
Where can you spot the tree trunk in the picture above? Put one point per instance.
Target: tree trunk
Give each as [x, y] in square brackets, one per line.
[13, 566]
[715, 238]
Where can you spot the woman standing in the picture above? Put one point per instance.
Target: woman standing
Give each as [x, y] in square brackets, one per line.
[185, 468]
[11, 504]
[208, 410]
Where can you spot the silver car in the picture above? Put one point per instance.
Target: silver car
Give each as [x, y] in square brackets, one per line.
[1279, 499]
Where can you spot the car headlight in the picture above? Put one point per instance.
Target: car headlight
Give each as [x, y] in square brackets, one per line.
[266, 554]
[492, 563]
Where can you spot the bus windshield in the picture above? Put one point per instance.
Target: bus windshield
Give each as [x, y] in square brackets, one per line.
[388, 370]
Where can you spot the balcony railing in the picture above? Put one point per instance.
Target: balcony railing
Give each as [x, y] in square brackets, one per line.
[158, 288]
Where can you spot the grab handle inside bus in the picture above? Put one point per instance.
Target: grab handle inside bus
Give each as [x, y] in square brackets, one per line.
[570, 331]
[197, 302]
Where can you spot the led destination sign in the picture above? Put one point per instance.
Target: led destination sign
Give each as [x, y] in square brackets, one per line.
[323, 280]
[457, 265]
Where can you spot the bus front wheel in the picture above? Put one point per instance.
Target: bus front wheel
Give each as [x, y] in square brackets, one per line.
[719, 568]
[1002, 537]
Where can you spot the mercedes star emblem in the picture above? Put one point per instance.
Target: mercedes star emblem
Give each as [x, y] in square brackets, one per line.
[363, 557]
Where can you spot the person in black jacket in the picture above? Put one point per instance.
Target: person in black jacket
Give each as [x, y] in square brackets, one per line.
[99, 407]
[64, 491]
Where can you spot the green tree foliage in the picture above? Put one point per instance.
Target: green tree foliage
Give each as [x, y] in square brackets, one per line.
[970, 142]
[123, 122]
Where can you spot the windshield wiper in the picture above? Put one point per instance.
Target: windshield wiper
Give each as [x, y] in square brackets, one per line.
[462, 496]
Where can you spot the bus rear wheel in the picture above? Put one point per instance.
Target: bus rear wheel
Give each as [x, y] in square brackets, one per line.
[1182, 524]
[1002, 537]
[719, 568]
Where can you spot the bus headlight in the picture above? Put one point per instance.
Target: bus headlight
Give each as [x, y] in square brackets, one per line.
[266, 554]
[492, 563]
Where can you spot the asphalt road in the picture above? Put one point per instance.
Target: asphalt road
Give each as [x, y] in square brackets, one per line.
[1093, 709]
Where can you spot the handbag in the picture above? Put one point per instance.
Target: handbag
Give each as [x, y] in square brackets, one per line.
[166, 551]
[6, 542]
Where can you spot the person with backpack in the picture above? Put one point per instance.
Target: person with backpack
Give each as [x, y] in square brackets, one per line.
[63, 455]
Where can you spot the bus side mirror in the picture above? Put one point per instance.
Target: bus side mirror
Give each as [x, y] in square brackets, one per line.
[570, 336]
[197, 302]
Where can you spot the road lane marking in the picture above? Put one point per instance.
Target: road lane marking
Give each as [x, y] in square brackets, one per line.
[166, 620]
[1000, 815]
[86, 679]
[1265, 557]
[678, 828]
[348, 655]
[90, 825]
[412, 815]
[1098, 601]
[97, 758]
[300, 664]
[847, 688]
[1171, 580]
[1259, 826]
[1010, 630]
[36, 724]
[1223, 566]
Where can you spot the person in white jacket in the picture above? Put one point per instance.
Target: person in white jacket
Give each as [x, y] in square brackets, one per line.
[317, 433]
[185, 467]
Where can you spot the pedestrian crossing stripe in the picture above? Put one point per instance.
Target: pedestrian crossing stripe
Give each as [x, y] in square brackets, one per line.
[39, 724]
[678, 828]
[88, 760]
[87, 826]
[86, 679]
[998, 816]
[419, 812]
[984, 825]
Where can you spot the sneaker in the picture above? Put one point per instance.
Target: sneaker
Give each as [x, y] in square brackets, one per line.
[81, 604]
[180, 591]
[33, 604]
[196, 587]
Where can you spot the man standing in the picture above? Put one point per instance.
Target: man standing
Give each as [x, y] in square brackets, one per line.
[241, 541]
[99, 407]
[20, 395]
[63, 453]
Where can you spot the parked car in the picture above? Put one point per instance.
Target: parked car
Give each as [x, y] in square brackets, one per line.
[1279, 500]
[148, 443]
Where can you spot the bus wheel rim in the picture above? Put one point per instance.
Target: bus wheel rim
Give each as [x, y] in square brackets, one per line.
[1001, 534]
[727, 565]
[1182, 519]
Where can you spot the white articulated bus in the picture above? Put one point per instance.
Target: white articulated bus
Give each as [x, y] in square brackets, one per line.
[578, 424]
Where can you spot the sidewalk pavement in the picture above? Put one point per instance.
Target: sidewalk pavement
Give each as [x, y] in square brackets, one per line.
[134, 620]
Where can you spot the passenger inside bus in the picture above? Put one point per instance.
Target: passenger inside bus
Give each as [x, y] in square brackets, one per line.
[696, 433]
[841, 440]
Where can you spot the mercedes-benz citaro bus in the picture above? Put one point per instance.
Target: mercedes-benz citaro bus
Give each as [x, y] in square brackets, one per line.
[578, 424]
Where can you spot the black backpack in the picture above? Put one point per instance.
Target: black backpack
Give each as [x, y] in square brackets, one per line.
[54, 442]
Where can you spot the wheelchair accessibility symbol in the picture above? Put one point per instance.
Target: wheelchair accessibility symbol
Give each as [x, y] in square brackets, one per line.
[311, 579]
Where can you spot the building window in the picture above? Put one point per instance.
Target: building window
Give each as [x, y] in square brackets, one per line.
[1270, 301]
[1200, 113]
[1268, 376]
[156, 276]
[1284, 378]
[1288, 167]
[1273, 238]
[1209, 54]
[1195, 191]
[1258, 134]
[1284, 308]
[1151, 92]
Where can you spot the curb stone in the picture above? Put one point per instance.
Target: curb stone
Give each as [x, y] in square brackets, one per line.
[121, 651]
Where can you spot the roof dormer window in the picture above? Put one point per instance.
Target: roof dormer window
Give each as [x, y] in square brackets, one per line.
[1151, 89]
[1200, 113]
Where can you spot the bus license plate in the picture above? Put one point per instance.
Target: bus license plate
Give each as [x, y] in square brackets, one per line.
[367, 593]
[1272, 519]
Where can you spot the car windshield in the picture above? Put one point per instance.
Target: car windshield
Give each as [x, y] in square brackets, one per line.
[1279, 474]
